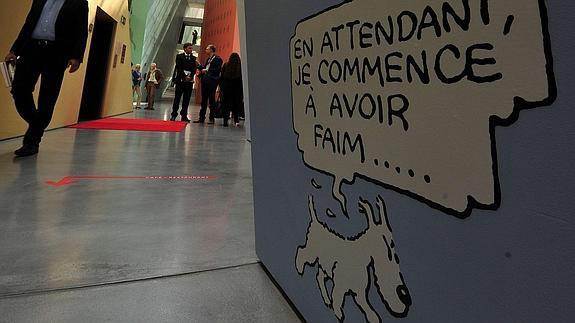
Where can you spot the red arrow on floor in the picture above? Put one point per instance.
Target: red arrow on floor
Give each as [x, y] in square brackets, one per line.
[69, 180]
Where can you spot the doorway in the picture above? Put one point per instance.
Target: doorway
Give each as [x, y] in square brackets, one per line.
[97, 67]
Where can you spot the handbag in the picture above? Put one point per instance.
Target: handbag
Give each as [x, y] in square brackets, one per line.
[218, 112]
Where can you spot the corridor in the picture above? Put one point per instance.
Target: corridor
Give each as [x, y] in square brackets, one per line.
[133, 250]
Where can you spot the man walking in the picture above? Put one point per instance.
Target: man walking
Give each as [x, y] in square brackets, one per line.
[52, 39]
[185, 72]
[210, 75]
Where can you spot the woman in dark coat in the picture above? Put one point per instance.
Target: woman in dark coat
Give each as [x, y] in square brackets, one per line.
[231, 89]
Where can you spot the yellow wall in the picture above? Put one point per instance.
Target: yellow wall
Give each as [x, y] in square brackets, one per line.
[118, 90]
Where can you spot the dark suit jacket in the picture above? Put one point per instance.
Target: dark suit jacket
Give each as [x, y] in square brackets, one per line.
[71, 28]
[212, 77]
[182, 64]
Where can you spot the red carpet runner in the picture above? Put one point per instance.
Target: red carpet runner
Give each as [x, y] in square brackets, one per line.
[132, 125]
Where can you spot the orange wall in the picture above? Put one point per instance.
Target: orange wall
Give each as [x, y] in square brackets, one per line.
[220, 28]
[236, 45]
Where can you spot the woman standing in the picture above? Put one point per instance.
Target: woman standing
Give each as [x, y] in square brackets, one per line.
[231, 89]
[136, 84]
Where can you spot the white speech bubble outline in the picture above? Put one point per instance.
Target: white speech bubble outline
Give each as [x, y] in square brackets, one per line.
[494, 121]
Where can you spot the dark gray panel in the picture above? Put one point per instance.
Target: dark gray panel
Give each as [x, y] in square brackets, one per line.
[510, 265]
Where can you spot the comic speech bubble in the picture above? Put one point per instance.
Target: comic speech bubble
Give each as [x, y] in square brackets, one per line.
[407, 93]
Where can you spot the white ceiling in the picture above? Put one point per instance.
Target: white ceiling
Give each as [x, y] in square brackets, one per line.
[195, 9]
[196, 3]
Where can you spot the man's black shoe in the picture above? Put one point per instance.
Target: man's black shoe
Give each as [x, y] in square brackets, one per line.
[186, 120]
[26, 150]
[173, 119]
[198, 121]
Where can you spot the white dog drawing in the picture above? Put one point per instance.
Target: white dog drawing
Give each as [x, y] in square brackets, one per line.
[348, 262]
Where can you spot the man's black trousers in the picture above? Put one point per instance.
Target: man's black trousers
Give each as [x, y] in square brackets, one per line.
[183, 89]
[208, 96]
[37, 60]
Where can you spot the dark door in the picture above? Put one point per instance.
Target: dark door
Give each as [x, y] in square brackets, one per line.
[97, 67]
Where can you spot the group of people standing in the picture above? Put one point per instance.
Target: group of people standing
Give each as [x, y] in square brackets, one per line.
[221, 85]
[153, 79]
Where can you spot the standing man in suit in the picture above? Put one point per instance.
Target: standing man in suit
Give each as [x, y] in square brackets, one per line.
[210, 75]
[52, 39]
[153, 79]
[185, 72]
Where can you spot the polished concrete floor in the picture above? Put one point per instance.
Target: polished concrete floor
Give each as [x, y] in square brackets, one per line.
[133, 250]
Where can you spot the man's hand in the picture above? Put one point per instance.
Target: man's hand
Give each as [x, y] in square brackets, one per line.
[74, 65]
[10, 57]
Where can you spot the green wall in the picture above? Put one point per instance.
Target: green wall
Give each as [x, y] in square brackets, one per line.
[138, 17]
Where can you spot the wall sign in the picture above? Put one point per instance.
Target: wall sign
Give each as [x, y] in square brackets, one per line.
[407, 94]
[123, 53]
